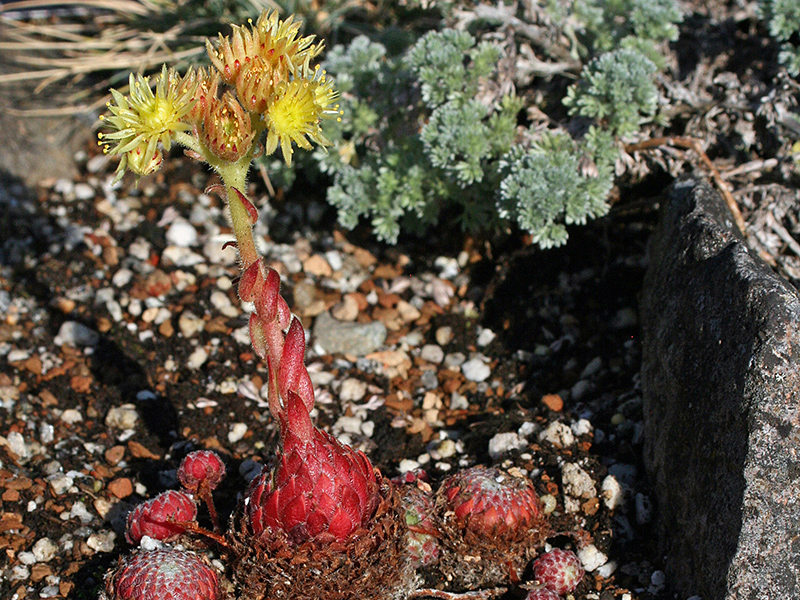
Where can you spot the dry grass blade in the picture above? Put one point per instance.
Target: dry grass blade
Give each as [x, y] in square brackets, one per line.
[131, 7]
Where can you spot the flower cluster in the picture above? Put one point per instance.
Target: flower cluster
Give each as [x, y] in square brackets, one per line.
[261, 80]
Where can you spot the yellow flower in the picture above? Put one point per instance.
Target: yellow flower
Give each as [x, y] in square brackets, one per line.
[296, 111]
[145, 118]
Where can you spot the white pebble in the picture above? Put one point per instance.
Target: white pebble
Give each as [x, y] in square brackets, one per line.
[549, 503]
[17, 355]
[591, 558]
[71, 416]
[486, 337]
[612, 492]
[181, 233]
[27, 558]
[432, 353]
[502, 443]
[476, 369]
[558, 434]
[19, 572]
[80, 511]
[237, 432]
[348, 424]
[17, 445]
[197, 358]
[442, 449]
[368, 428]
[581, 427]
[407, 465]
[83, 191]
[102, 541]
[73, 333]
[44, 549]
[527, 429]
[352, 390]
[122, 417]
[577, 482]
[60, 483]
[458, 401]
[608, 569]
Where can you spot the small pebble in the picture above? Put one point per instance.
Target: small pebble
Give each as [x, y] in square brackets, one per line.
[83, 191]
[476, 369]
[122, 277]
[486, 337]
[608, 569]
[182, 234]
[503, 443]
[407, 465]
[577, 482]
[432, 353]
[17, 445]
[444, 335]
[454, 360]
[352, 390]
[591, 558]
[197, 358]
[73, 333]
[71, 416]
[80, 512]
[612, 493]
[44, 549]
[549, 503]
[458, 401]
[558, 434]
[48, 591]
[442, 449]
[122, 417]
[581, 427]
[60, 483]
[102, 541]
[237, 432]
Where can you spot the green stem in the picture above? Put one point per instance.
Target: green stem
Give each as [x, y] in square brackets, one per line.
[234, 175]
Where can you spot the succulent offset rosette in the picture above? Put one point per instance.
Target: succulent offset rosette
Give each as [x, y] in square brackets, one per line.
[164, 517]
[492, 525]
[166, 574]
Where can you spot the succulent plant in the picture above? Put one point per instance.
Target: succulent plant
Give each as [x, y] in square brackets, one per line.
[491, 502]
[166, 574]
[201, 469]
[420, 514]
[559, 570]
[320, 488]
[162, 518]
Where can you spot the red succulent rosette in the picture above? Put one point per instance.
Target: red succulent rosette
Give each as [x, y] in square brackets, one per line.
[166, 574]
[201, 468]
[162, 518]
[492, 502]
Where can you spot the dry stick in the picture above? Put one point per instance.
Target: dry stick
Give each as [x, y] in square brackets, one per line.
[694, 144]
[442, 595]
[782, 233]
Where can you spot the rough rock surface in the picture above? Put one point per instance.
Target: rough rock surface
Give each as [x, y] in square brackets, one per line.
[721, 379]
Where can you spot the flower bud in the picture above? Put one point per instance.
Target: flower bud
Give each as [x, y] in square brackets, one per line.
[228, 133]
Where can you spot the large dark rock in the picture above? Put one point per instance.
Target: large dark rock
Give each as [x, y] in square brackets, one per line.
[721, 378]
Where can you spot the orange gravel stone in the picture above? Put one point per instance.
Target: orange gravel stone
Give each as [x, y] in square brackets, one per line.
[553, 402]
[139, 451]
[121, 488]
[114, 454]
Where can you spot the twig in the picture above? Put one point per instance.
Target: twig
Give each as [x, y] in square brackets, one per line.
[782, 233]
[442, 595]
[694, 144]
[754, 165]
